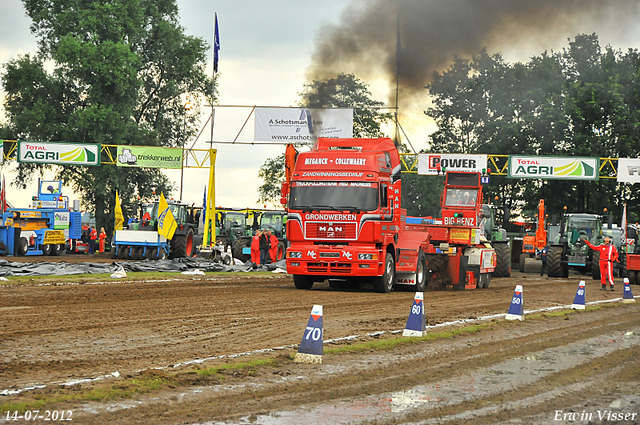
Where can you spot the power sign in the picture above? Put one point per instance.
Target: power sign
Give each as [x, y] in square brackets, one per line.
[435, 163]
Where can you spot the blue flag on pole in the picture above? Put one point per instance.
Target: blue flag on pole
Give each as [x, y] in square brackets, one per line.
[204, 205]
[216, 46]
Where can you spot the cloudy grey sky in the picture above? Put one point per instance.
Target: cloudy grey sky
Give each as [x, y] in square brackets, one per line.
[269, 47]
[264, 53]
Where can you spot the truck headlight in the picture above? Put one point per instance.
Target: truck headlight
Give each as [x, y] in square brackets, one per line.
[294, 254]
[367, 256]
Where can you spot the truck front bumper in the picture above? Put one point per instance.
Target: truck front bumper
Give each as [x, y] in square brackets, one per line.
[338, 261]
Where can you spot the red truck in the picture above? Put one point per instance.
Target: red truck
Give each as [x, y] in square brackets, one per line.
[346, 223]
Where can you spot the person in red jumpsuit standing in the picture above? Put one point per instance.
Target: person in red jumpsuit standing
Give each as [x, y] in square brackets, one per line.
[93, 236]
[608, 254]
[255, 248]
[102, 236]
[273, 252]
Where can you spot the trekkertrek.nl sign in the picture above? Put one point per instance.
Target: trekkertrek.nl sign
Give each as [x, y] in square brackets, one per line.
[554, 167]
[58, 153]
[149, 156]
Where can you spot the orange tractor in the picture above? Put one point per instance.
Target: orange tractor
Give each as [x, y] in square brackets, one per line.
[532, 244]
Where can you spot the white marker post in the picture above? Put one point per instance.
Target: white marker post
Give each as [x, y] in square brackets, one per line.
[516, 309]
[311, 347]
[627, 295]
[415, 323]
[579, 300]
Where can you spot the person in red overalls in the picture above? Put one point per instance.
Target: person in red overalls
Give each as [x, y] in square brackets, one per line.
[102, 237]
[608, 254]
[255, 247]
[273, 252]
[93, 235]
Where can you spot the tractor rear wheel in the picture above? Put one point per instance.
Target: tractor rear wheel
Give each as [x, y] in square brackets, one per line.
[281, 251]
[237, 250]
[554, 261]
[595, 265]
[522, 262]
[182, 245]
[503, 260]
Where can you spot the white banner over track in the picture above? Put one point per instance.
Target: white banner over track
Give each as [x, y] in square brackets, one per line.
[629, 170]
[299, 125]
[435, 163]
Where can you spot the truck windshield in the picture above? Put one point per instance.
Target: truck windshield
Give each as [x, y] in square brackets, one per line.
[461, 197]
[361, 196]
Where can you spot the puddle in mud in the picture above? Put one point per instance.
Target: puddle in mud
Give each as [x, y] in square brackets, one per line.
[505, 376]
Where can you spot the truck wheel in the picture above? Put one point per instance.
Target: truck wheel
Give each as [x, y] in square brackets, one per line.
[632, 277]
[486, 279]
[162, 254]
[55, 250]
[595, 265]
[554, 261]
[503, 260]
[130, 253]
[522, 262]
[421, 273]
[140, 253]
[153, 254]
[46, 249]
[122, 251]
[114, 252]
[384, 283]
[23, 246]
[302, 282]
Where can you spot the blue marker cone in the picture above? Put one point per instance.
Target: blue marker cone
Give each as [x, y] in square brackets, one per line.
[627, 296]
[516, 308]
[415, 323]
[310, 349]
[579, 300]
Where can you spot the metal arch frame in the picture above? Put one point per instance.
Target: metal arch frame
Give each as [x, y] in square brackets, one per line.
[200, 158]
[499, 165]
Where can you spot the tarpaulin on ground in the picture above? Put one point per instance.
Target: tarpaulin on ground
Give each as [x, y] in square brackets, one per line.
[8, 268]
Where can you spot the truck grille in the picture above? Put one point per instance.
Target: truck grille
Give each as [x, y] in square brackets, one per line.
[330, 230]
[343, 268]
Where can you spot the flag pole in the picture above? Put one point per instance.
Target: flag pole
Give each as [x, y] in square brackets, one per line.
[216, 48]
[398, 63]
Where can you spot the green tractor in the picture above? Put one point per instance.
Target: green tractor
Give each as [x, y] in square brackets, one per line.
[568, 248]
[232, 230]
[498, 237]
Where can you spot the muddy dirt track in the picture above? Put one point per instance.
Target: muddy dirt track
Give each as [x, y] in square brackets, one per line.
[56, 332]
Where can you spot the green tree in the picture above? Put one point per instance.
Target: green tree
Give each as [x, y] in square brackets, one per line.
[121, 71]
[582, 101]
[344, 91]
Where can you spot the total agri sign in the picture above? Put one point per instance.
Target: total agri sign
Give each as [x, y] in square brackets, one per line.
[59, 153]
[553, 167]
